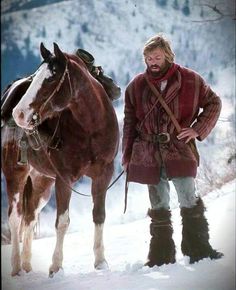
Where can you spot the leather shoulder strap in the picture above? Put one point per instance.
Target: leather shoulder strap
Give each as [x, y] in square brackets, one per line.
[148, 113]
[164, 105]
[173, 119]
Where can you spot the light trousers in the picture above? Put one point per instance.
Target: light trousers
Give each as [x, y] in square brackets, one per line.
[160, 194]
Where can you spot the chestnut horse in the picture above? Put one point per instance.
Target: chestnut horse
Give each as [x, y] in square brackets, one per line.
[64, 106]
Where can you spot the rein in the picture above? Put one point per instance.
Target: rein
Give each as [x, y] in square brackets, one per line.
[35, 132]
[35, 135]
[61, 177]
[56, 170]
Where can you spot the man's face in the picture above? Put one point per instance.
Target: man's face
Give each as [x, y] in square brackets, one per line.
[155, 60]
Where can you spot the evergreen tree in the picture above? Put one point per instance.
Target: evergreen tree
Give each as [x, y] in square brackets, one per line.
[15, 65]
[211, 78]
[84, 27]
[175, 5]
[202, 13]
[59, 33]
[162, 3]
[44, 32]
[78, 41]
[186, 9]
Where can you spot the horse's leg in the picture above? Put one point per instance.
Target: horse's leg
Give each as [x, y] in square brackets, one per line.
[15, 183]
[99, 187]
[63, 195]
[36, 195]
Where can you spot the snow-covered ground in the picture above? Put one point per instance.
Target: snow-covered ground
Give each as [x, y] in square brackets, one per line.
[126, 247]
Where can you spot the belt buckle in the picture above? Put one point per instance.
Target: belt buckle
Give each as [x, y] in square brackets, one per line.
[164, 138]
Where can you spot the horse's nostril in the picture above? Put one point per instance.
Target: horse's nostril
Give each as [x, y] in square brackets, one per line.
[21, 115]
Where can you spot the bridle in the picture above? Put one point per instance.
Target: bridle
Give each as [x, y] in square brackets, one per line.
[36, 116]
[33, 133]
[36, 121]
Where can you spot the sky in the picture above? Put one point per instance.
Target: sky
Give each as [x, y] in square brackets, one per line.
[126, 248]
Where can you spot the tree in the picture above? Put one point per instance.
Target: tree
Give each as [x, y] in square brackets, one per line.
[186, 9]
[162, 3]
[175, 5]
[220, 14]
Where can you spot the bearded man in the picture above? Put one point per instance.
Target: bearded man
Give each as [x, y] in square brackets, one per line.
[159, 146]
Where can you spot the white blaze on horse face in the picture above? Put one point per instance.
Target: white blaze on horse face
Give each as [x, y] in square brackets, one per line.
[22, 113]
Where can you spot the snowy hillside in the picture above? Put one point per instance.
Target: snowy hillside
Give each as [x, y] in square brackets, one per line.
[126, 247]
[115, 31]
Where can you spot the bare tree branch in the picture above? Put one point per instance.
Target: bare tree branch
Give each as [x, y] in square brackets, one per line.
[217, 11]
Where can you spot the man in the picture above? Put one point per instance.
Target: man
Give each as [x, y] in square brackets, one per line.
[154, 151]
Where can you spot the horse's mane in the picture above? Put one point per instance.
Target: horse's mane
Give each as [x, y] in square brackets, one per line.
[75, 58]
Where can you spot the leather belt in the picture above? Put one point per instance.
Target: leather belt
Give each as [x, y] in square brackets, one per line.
[155, 138]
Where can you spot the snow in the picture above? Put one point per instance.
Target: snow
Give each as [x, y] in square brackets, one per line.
[126, 247]
[115, 33]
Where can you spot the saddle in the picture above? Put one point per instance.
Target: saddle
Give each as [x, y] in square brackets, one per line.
[112, 89]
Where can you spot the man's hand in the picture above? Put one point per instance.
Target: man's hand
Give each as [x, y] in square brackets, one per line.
[188, 133]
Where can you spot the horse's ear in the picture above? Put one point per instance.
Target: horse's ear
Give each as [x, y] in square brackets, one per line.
[58, 53]
[44, 51]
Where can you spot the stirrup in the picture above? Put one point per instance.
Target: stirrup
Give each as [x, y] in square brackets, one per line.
[23, 152]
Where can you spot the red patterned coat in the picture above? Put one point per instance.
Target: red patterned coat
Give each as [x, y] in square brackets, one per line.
[186, 93]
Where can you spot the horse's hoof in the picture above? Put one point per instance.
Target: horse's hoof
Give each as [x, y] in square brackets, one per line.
[103, 265]
[54, 270]
[16, 272]
[26, 266]
[51, 274]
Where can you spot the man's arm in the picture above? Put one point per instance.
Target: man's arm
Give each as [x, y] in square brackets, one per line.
[129, 128]
[211, 105]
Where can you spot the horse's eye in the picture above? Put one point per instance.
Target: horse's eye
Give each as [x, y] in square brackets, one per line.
[50, 80]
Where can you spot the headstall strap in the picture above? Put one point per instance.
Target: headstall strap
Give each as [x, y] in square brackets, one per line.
[66, 71]
[34, 134]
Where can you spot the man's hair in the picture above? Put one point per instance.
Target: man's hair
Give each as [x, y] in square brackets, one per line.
[159, 41]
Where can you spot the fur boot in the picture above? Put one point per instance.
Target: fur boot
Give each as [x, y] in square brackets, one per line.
[195, 234]
[162, 247]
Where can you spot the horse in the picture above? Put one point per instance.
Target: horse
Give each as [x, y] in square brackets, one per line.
[70, 129]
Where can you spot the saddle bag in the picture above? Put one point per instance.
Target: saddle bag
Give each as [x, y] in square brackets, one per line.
[112, 89]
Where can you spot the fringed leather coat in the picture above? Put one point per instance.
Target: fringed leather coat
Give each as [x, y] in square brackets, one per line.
[185, 93]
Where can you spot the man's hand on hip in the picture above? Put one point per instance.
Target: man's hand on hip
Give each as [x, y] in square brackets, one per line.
[188, 133]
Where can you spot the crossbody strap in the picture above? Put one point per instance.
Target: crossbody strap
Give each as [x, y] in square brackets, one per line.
[148, 113]
[164, 105]
[172, 117]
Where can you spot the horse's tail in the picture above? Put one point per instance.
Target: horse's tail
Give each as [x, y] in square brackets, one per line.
[26, 204]
[27, 194]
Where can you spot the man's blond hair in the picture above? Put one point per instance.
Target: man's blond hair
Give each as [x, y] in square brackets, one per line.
[159, 41]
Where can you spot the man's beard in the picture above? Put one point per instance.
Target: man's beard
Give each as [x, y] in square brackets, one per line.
[162, 69]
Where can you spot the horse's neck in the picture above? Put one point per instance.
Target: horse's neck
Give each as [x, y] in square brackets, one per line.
[87, 104]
